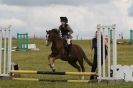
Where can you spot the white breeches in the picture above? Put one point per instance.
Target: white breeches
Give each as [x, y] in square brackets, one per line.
[68, 41]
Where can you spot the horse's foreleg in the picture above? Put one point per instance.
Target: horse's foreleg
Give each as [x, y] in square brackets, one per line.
[51, 63]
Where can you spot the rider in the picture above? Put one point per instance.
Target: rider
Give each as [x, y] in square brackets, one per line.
[66, 32]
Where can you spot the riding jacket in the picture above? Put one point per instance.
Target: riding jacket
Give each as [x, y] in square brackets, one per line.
[66, 31]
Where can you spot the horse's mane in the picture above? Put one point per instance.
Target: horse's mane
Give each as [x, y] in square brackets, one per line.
[55, 30]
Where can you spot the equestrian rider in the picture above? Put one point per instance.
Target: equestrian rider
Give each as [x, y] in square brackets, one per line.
[66, 32]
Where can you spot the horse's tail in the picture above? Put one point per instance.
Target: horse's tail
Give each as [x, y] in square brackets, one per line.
[87, 60]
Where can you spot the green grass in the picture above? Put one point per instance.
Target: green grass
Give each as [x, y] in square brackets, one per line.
[37, 60]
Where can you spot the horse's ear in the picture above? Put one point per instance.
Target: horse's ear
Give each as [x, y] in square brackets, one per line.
[46, 31]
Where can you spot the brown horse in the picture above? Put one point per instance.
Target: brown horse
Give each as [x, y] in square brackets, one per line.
[59, 52]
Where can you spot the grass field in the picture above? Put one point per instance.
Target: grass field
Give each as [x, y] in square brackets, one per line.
[37, 60]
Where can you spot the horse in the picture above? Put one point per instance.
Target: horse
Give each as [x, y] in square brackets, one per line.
[59, 52]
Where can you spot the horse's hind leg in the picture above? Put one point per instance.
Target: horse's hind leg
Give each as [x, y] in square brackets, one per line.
[82, 67]
[73, 63]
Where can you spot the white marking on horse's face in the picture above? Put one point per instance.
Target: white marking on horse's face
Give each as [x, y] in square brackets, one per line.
[47, 42]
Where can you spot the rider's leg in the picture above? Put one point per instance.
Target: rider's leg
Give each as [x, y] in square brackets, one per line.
[69, 41]
[69, 47]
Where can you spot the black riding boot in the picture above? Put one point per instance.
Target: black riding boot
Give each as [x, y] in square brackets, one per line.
[69, 51]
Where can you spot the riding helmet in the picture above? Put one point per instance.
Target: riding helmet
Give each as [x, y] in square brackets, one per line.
[64, 19]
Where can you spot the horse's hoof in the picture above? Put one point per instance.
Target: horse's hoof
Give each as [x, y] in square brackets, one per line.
[50, 65]
[53, 70]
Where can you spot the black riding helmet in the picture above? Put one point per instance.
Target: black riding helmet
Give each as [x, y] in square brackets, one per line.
[64, 19]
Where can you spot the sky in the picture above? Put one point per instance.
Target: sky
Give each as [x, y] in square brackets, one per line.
[37, 16]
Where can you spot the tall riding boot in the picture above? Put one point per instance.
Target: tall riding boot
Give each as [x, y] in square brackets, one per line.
[69, 50]
[65, 46]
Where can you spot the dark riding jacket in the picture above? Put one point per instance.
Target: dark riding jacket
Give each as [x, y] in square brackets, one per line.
[66, 30]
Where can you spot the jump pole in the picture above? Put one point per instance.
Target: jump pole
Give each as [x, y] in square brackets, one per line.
[1, 52]
[45, 80]
[109, 50]
[52, 73]
[99, 52]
